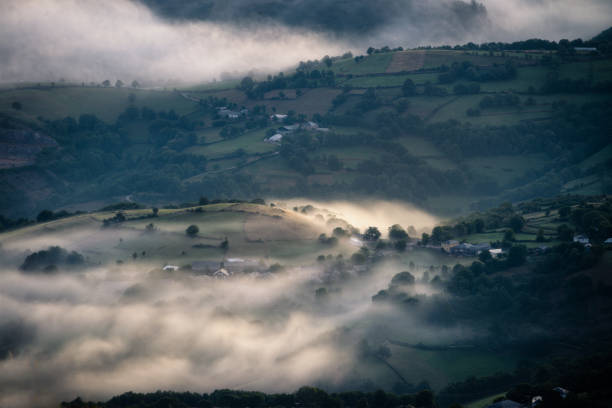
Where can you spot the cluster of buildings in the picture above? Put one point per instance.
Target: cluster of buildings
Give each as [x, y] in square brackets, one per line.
[287, 129]
[536, 401]
[453, 247]
[225, 112]
[223, 269]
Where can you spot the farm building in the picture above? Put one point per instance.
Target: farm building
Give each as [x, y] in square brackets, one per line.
[274, 138]
[170, 268]
[466, 249]
[581, 239]
[278, 116]
[221, 273]
[230, 114]
[447, 245]
[496, 252]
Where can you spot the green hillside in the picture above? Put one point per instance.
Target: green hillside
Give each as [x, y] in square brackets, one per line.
[447, 129]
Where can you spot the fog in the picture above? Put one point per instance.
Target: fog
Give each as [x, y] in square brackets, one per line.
[108, 328]
[366, 213]
[120, 39]
[197, 40]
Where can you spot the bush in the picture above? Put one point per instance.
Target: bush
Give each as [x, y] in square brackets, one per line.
[192, 230]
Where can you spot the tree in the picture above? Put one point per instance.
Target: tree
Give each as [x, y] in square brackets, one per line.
[119, 83]
[540, 237]
[192, 230]
[224, 244]
[339, 232]
[44, 216]
[327, 61]
[424, 239]
[516, 223]
[247, 83]
[564, 233]
[517, 255]
[409, 88]
[333, 163]
[371, 234]
[135, 84]
[106, 83]
[396, 233]
[564, 212]
[16, 105]
[400, 245]
[508, 235]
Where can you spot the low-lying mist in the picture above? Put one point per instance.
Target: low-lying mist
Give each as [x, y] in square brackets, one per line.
[366, 213]
[107, 330]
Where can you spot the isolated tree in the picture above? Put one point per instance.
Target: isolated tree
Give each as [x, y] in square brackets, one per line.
[135, 84]
[409, 88]
[106, 83]
[540, 237]
[516, 223]
[396, 232]
[224, 244]
[371, 234]
[16, 105]
[339, 232]
[508, 235]
[192, 230]
[403, 278]
[119, 83]
[333, 163]
[155, 211]
[246, 84]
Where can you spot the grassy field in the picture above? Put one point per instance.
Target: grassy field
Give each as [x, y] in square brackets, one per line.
[370, 64]
[252, 230]
[442, 367]
[251, 142]
[106, 103]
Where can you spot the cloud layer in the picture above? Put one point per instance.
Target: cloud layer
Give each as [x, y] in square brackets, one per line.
[198, 40]
[93, 41]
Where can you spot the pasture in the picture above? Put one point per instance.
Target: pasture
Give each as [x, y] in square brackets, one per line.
[106, 103]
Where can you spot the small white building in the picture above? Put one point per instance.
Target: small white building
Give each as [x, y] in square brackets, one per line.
[221, 273]
[278, 116]
[495, 252]
[356, 242]
[274, 138]
[172, 268]
[581, 239]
